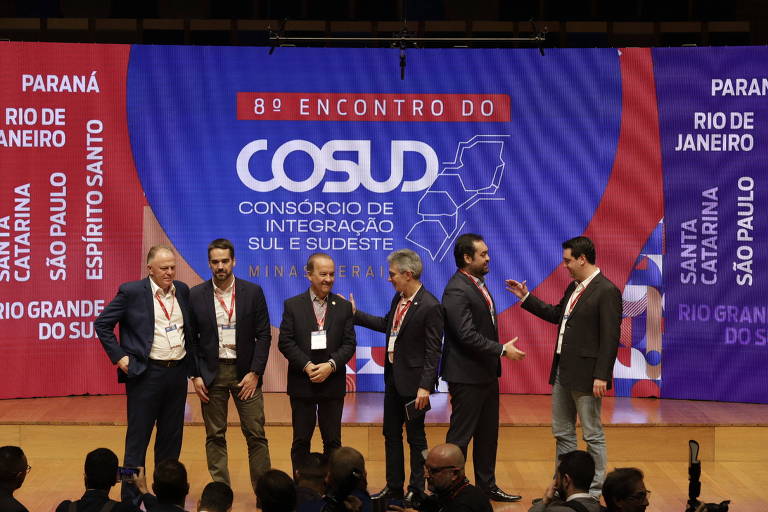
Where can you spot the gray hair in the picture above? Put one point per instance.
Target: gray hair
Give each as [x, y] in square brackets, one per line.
[406, 260]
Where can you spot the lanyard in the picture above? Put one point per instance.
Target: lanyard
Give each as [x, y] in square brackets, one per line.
[576, 299]
[160, 301]
[321, 320]
[486, 295]
[399, 315]
[230, 311]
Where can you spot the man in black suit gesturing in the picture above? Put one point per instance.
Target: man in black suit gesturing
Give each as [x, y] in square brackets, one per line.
[589, 316]
[317, 337]
[153, 314]
[230, 339]
[414, 332]
[472, 362]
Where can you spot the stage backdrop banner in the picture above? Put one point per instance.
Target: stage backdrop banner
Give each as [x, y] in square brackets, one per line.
[714, 136]
[109, 149]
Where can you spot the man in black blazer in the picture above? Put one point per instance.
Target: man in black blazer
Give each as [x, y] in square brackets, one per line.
[153, 315]
[414, 333]
[589, 319]
[472, 362]
[230, 340]
[317, 337]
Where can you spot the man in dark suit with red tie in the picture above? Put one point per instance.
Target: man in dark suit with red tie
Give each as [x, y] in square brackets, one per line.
[414, 332]
[231, 337]
[317, 337]
[589, 320]
[151, 357]
[472, 362]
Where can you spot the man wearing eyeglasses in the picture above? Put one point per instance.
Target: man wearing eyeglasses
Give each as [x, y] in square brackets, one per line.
[624, 491]
[13, 471]
[451, 491]
[414, 332]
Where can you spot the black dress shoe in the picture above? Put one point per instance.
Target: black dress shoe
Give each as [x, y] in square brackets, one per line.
[413, 499]
[497, 494]
[387, 493]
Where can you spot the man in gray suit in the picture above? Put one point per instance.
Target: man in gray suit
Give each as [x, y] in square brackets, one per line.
[589, 319]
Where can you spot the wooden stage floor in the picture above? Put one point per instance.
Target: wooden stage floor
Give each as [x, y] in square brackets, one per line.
[651, 434]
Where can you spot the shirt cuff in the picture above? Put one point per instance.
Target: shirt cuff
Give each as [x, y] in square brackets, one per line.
[526, 296]
[333, 364]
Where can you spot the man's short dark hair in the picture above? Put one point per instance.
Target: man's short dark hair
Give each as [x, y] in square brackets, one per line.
[581, 245]
[221, 243]
[619, 485]
[216, 497]
[101, 469]
[312, 467]
[465, 244]
[170, 482]
[275, 492]
[316, 256]
[580, 466]
[11, 463]
[342, 462]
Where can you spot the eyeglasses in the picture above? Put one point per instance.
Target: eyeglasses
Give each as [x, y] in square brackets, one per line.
[26, 470]
[640, 496]
[434, 471]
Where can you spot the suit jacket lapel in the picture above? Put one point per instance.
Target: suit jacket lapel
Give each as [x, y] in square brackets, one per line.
[412, 308]
[149, 301]
[309, 311]
[470, 282]
[210, 307]
[589, 290]
[330, 311]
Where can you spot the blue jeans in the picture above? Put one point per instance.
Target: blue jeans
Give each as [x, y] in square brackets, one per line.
[566, 405]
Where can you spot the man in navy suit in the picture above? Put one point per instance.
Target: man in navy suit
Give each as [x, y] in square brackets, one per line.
[153, 315]
[414, 334]
[472, 362]
[230, 338]
[589, 320]
[317, 337]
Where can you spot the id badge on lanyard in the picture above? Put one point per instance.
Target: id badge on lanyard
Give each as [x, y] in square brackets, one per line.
[318, 340]
[174, 335]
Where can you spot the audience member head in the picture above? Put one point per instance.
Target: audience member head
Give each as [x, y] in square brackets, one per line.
[444, 467]
[275, 492]
[342, 464]
[624, 490]
[170, 482]
[575, 473]
[13, 467]
[100, 469]
[216, 497]
[310, 471]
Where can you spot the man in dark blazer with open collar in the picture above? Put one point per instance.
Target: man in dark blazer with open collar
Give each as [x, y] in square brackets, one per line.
[589, 320]
[472, 362]
[317, 337]
[151, 356]
[231, 337]
[414, 334]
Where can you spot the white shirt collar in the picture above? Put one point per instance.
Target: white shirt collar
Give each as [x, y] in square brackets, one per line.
[155, 288]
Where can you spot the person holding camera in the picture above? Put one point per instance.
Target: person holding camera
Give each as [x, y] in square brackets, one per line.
[569, 490]
[100, 474]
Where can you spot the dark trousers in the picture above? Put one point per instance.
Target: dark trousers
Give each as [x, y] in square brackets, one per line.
[475, 416]
[305, 414]
[394, 417]
[156, 397]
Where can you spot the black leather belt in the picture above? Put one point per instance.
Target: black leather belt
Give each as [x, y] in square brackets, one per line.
[167, 363]
[223, 360]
